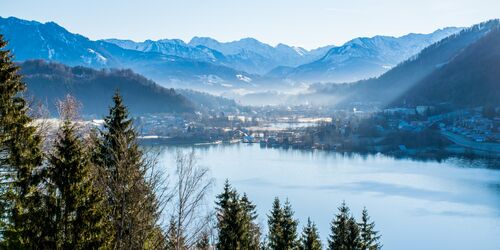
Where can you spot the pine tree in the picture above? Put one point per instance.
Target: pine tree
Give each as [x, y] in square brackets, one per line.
[310, 237]
[282, 226]
[230, 219]
[131, 199]
[236, 221]
[275, 222]
[369, 237]
[21, 156]
[289, 227]
[77, 211]
[251, 236]
[344, 232]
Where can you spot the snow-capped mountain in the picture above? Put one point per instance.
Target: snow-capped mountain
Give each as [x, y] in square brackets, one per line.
[363, 58]
[175, 47]
[33, 40]
[207, 64]
[265, 57]
[49, 41]
[247, 54]
[460, 70]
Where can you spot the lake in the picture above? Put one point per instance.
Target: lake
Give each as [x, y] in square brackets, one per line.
[453, 204]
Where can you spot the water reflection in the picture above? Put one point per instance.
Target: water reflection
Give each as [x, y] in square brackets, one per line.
[414, 202]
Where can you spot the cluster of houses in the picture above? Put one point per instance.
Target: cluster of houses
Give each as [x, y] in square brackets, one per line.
[468, 123]
[477, 128]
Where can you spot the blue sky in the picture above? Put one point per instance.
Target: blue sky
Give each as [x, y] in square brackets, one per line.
[306, 23]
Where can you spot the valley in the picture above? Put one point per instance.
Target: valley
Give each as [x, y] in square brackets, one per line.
[195, 142]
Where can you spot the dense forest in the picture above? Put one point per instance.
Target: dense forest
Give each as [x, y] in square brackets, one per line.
[50, 82]
[89, 188]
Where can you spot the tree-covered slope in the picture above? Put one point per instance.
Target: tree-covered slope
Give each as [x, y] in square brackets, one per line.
[471, 79]
[401, 80]
[50, 82]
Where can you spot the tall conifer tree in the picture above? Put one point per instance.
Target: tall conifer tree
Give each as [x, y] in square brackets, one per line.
[289, 227]
[275, 222]
[236, 221]
[228, 219]
[134, 209]
[282, 227]
[76, 207]
[20, 160]
[344, 232]
[251, 236]
[369, 237]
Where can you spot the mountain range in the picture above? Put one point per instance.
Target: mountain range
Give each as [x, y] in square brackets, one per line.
[363, 58]
[460, 71]
[452, 66]
[358, 59]
[248, 54]
[208, 65]
[51, 42]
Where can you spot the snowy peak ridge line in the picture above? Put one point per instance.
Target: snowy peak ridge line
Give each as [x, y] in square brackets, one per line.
[253, 56]
[247, 54]
[33, 40]
[364, 57]
[206, 62]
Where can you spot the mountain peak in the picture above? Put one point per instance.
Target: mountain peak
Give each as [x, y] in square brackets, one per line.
[197, 40]
[250, 40]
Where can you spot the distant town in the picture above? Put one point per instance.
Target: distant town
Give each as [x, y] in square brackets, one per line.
[420, 131]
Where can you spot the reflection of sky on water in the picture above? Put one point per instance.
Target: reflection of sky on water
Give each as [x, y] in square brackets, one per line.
[454, 204]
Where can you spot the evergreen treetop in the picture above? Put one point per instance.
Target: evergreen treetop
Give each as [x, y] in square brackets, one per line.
[310, 237]
[341, 229]
[289, 226]
[236, 221]
[369, 237]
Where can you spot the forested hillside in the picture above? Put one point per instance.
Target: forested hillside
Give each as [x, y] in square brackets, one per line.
[470, 79]
[50, 82]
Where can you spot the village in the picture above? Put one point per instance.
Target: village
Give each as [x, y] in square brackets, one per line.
[399, 131]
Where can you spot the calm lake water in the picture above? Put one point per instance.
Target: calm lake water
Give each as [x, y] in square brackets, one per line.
[454, 204]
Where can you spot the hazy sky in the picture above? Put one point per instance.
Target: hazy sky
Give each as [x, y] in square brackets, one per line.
[306, 23]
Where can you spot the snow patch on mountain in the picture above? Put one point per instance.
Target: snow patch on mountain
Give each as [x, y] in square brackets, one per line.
[244, 78]
[98, 56]
[51, 52]
[300, 51]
